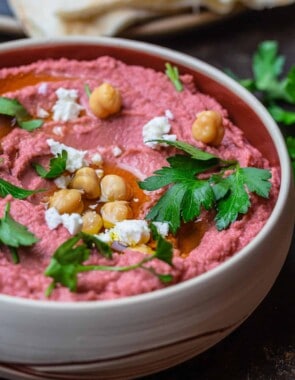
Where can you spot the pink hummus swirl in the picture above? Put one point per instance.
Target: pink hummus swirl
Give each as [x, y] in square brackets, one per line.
[146, 94]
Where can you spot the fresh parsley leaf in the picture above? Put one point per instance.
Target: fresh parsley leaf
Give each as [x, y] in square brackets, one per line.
[173, 74]
[233, 198]
[30, 125]
[92, 242]
[65, 264]
[17, 192]
[68, 261]
[194, 152]
[187, 194]
[267, 66]
[276, 92]
[168, 208]
[13, 108]
[290, 85]
[291, 149]
[57, 166]
[175, 172]
[14, 234]
[87, 89]
[234, 203]
[281, 115]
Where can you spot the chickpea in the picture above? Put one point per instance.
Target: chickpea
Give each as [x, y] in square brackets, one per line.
[67, 201]
[208, 128]
[105, 101]
[113, 212]
[92, 222]
[115, 188]
[86, 179]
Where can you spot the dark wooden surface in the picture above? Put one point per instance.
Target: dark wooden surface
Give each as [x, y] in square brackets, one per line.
[263, 348]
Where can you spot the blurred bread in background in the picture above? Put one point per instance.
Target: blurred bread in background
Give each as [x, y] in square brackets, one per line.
[54, 18]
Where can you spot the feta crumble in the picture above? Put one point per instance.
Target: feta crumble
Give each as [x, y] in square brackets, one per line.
[66, 107]
[169, 114]
[97, 159]
[162, 228]
[130, 232]
[157, 128]
[42, 89]
[75, 158]
[57, 131]
[62, 181]
[117, 151]
[72, 222]
[42, 113]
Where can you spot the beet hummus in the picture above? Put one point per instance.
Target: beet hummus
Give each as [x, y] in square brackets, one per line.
[117, 139]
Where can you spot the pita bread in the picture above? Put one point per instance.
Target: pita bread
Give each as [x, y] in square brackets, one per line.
[39, 19]
[54, 18]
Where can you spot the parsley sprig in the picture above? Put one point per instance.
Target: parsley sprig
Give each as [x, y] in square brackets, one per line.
[17, 192]
[276, 91]
[57, 166]
[68, 260]
[14, 234]
[13, 108]
[187, 194]
[173, 74]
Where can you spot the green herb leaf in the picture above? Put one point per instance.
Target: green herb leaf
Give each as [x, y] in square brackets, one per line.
[233, 198]
[291, 149]
[191, 150]
[67, 261]
[164, 250]
[269, 85]
[281, 115]
[30, 125]
[267, 65]
[57, 166]
[92, 242]
[187, 194]
[65, 264]
[87, 90]
[14, 234]
[173, 74]
[17, 192]
[13, 108]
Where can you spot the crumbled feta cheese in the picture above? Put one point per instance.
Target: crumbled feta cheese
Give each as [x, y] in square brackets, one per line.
[105, 237]
[42, 113]
[117, 151]
[52, 218]
[131, 232]
[72, 222]
[42, 89]
[97, 159]
[169, 114]
[62, 181]
[57, 131]
[162, 228]
[157, 129]
[75, 158]
[66, 107]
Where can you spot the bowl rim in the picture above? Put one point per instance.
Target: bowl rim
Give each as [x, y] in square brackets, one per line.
[218, 76]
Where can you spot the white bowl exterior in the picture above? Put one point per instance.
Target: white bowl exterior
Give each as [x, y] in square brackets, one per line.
[197, 313]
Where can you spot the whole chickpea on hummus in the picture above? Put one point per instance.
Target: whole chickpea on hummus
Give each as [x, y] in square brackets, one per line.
[111, 155]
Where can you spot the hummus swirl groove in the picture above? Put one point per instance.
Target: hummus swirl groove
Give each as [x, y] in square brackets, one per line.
[118, 141]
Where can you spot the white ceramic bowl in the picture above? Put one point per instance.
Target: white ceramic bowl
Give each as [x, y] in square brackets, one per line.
[143, 334]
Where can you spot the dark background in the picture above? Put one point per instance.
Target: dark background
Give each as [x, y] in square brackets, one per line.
[263, 348]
